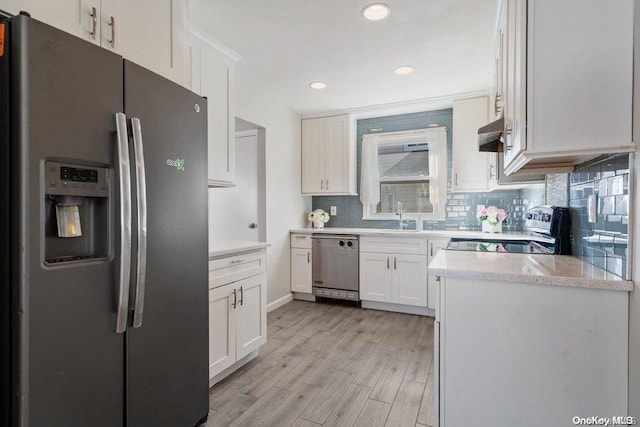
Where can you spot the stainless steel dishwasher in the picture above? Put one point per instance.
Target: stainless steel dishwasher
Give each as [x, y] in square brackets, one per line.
[336, 266]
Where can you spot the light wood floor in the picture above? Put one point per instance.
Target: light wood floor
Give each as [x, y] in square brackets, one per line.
[332, 365]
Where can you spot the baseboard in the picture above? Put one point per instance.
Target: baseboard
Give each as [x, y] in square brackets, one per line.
[304, 297]
[399, 308]
[279, 302]
[231, 369]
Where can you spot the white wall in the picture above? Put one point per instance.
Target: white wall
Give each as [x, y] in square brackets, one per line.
[286, 208]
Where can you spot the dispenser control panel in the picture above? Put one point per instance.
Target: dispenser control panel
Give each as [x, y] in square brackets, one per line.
[79, 175]
[65, 179]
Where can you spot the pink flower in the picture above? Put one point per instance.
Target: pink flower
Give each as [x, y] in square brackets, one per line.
[483, 212]
[502, 215]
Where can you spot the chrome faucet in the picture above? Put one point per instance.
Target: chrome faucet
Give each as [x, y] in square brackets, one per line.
[402, 224]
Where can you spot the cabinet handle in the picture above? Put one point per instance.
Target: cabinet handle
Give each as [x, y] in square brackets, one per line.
[395, 263]
[241, 296]
[237, 261]
[235, 299]
[301, 237]
[455, 176]
[94, 22]
[327, 184]
[387, 263]
[308, 257]
[431, 248]
[112, 24]
[322, 184]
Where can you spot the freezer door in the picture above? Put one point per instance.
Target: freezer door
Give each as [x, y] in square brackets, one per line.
[167, 350]
[69, 366]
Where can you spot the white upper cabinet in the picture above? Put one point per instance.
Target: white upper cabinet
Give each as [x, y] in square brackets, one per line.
[470, 167]
[151, 33]
[212, 74]
[329, 156]
[567, 81]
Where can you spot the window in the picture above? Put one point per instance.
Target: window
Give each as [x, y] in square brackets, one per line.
[408, 167]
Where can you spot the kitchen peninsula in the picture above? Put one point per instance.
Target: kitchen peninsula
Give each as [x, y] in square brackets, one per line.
[528, 340]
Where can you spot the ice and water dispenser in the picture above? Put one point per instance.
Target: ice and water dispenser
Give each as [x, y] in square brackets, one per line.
[76, 212]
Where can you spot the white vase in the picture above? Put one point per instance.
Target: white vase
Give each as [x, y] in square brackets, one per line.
[489, 228]
[318, 225]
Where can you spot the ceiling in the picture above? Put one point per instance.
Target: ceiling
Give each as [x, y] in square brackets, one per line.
[286, 44]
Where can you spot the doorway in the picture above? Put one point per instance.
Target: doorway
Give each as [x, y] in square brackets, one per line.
[238, 213]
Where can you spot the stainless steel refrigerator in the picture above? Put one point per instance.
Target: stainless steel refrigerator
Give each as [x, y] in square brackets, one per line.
[103, 237]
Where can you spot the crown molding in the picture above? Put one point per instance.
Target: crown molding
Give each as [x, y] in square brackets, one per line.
[405, 107]
[232, 54]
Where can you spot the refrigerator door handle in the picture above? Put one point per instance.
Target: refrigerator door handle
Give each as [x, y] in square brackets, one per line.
[142, 222]
[125, 222]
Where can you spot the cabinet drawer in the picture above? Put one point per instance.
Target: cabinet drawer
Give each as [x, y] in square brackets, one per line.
[394, 245]
[231, 269]
[302, 241]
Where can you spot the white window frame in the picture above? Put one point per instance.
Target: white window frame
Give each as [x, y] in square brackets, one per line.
[437, 140]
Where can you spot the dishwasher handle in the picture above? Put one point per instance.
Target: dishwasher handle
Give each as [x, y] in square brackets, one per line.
[335, 237]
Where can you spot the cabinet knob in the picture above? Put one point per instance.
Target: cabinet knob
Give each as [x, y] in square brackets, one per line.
[253, 225]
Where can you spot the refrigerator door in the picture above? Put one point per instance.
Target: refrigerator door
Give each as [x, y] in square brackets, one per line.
[68, 360]
[167, 355]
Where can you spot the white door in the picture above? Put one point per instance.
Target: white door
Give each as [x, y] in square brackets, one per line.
[251, 314]
[375, 276]
[313, 155]
[233, 211]
[435, 246]
[301, 270]
[409, 283]
[222, 329]
[73, 16]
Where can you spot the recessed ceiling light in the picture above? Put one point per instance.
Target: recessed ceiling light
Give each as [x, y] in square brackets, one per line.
[376, 11]
[403, 70]
[317, 85]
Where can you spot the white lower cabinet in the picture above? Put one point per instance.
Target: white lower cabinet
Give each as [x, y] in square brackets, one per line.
[237, 321]
[222, 329]
[395, 278]
[301, 270]
[375, 277]
[237, 311]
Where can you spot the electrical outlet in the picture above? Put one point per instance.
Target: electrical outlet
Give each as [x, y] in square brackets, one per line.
[334, 211]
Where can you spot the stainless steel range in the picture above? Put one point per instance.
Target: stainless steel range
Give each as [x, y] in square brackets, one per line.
[547, 232]
[335, 268]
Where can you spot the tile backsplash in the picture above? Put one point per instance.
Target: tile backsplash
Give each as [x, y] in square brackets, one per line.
[461, 207]
[603, 243]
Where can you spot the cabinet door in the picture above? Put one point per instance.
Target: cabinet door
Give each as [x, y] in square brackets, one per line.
[151, 33]
[338, 178]
[217, 83]
[435, 245]
[375, 276]
[313, 155]
[409, 283]
[470, 168]
[222, 329]
[301, 270]
[251, 314]
[515, 97]
[73, 16]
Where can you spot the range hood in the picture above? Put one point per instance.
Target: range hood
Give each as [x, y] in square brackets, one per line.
[490, 137]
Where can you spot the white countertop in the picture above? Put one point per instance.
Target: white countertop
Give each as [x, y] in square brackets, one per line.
[414, 233]
[552, 270]
[218, 248]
